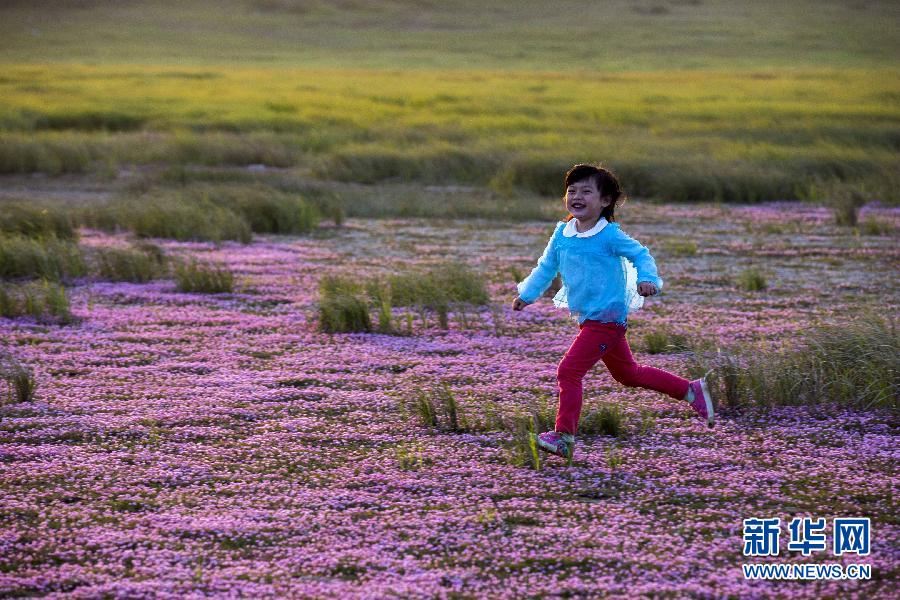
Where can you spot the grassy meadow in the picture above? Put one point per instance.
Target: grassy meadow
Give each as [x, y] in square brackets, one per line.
[677, 136]
[257, 259]
[717, 101]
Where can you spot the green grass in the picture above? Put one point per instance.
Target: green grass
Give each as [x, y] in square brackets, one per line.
[343, 307]
[20, 381]
[680, 247]
[687, 100]
[726, 136]
[168, 216]
[344, 304]
[607, 419]
[32, 220]
[664, 340]
[203, 212]
[854, 363]
[875, 226]
[574, 35]
[44, 301]
[751, 279]
[436, 286]
[197, 277]
[522, 449]
[49, 258]
[138, 265]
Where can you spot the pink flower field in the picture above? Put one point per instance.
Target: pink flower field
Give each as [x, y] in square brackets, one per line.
[195, 445]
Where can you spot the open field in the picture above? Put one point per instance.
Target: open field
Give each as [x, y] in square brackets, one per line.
[194, 443]
[726, 102]
[256, 265]
[675, 135]
[529, 35]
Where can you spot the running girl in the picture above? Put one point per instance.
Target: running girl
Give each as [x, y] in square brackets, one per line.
[605, 275]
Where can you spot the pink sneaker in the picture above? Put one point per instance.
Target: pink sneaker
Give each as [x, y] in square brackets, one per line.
[560, 444]
[703, 404]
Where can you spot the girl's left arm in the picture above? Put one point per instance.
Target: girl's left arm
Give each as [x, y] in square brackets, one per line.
[624, 245]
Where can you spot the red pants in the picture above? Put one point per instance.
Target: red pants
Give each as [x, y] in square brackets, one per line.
[606, 342]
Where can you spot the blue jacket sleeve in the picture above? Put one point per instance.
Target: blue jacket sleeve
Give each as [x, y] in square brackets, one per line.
[542, 275]
[624, 245]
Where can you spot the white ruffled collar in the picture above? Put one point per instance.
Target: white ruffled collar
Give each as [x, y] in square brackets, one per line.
[570, 231]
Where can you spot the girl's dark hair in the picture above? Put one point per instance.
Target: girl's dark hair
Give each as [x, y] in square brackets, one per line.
[606, 182]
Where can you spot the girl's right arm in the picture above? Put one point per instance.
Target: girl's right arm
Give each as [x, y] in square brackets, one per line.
[542, 275]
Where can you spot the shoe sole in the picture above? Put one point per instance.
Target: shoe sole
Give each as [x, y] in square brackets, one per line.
[710, 413]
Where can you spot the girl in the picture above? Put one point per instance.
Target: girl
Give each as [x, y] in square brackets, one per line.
[600, 287]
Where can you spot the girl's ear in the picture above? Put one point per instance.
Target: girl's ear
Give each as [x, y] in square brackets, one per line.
[605, 201]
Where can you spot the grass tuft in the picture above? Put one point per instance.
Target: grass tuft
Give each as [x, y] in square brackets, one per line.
[613, 458]
[264, 209]
[435, 287]
[456, 420]
[608, 419]
[27, 220]
[425, 409]
[197, 277]
[874, 226]
[169, 218]
[846, 205]
[680, 247]
[522, 449]
[50, 258]
[451, 417]
[20, 381]
[663, 340]
[45, 301]
[410, 457]
[342, 307]
[138, 265]
[853, 364]
[752, 280]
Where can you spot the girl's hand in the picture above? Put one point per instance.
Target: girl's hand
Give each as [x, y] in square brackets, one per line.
[645, 288]
[519, 304]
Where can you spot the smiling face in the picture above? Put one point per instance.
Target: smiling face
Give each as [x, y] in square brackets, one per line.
[583, 200]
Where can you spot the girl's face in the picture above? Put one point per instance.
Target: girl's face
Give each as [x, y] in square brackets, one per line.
[584, 202]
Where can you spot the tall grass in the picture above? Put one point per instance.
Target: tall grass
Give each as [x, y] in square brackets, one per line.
[522, 449]
[51, 154]
[856, 364]
[752, 279]
[205, 213]
[44, 301]
[169, 218]
[730, 136]
[436, 286]
[344, 304]
[343, 307]
[607, 419]
[263, 208]
[34, 221]
[49, 258]
[20, 381]
[438, 407]
[197, 277]
[139, 264]
[663, 340]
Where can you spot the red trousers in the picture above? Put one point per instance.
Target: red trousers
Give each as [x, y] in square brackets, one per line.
[605, 341]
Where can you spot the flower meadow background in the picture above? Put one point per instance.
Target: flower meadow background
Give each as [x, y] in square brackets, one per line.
[183, 445]
[192, 193]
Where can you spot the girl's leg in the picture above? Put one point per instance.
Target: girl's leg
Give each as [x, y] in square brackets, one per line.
[592, 342]
[624, 369]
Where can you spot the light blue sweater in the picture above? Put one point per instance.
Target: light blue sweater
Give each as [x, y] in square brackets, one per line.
[599, 282]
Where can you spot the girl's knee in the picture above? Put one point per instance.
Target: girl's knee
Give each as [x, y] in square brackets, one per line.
[566, 372]
[627, 377]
